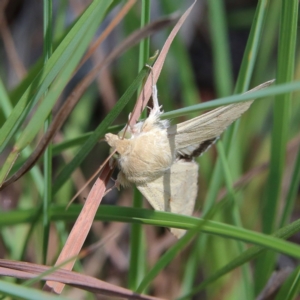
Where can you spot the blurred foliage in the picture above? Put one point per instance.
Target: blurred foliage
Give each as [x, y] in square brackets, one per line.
[224, 47]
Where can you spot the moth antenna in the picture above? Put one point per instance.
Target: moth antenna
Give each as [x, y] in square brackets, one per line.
[156, 108]
[127, 125]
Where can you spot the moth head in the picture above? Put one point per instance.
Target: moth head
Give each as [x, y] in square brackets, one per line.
[120, 145]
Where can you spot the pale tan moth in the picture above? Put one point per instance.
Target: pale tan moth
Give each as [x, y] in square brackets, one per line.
[159, 158]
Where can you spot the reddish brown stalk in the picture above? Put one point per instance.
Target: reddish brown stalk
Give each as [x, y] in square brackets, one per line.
[24, 270]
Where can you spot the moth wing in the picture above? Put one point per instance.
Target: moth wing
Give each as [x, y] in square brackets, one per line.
[193, 137]
[175, 191]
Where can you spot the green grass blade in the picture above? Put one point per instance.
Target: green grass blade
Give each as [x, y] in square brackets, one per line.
[252, 48]
[285, 73]
[137, 261]
[16, 291]
[5, 103]
[265, 58]
[224, 82]
[270, 91]
[191, 267]
[165, 260]
[150, 217]
[47, 197]
[247, 289]
[175, 249]
[246, 256]
[282, 104]
[56, 63]
[220, 46]
[292, 193]
[144, 216]
[290, 288]
[137, 266]
[188, 89]
[7, 108]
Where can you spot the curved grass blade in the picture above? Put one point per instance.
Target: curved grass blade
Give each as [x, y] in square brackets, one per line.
[150, 217]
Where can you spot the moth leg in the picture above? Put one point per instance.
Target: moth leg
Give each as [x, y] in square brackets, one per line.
[121, 180]
[109, 190]
[116, 185]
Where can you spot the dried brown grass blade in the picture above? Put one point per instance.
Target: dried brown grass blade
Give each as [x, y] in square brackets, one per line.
[91, 178]
[24, 270]
[82, 226]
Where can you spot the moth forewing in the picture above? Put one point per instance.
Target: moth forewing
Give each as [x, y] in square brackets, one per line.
[175, 191]
[192, 137]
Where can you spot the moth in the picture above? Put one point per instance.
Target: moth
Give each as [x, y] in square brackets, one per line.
[159, 158]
